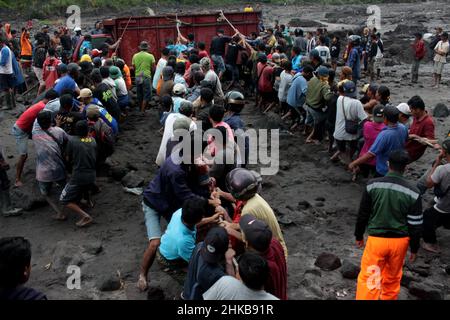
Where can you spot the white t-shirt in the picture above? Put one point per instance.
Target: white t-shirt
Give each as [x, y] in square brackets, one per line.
[168, 133]
[285, 84]
[354, 110]
[230, 288]
[324, 53]
[121, 87]
[443, 46]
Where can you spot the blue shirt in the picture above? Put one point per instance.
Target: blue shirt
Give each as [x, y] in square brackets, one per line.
[64, 83]
[297, 63]
[388, 140]
[5, 56]
[297, 92]
[178, 241]
[354, 62]
[104, 115]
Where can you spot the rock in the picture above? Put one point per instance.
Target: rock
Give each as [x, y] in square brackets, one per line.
[284, 221]
[28, 198]
[117, 173]
[131, 166]
[447, 270]
[108, 283]
[350, 270]
[155, 294]
[390, 62]
[296, 22]
[132, 180]
[93, 248]
[420, 268]
[320, 204]
[315, 272]
[440, 111]
[304, 205]
[395, 50]
[321, 199]
[425, 291]
[328, 261]
[284, 165]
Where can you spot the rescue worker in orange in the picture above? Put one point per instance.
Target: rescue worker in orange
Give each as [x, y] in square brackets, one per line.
[391, 210]
[26, 52]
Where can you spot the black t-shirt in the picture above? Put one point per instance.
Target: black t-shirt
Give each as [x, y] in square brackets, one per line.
[44, 36]
[21, 293]
[66, 42]
[83, 153]
[335, 50]
[103, 93]
[232, 53]
[218, 45]
[39, 57]
[201, 275]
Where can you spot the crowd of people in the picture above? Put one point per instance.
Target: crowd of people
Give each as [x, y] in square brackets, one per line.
[223, 238]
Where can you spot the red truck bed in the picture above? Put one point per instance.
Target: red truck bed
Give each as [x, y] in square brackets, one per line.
[156, 29]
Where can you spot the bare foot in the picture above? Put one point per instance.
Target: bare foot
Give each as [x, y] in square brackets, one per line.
[84, 221]
[142, 283]
[18, 184]
[430, 247]
[59, 217]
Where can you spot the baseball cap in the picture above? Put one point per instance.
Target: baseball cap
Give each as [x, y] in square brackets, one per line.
[349, 88]
[215, 245]
[167, 73]
[322, 71]
[256, 232]
[446, 145]
[378, 113]
[92, 111]
[77, 29]
[314, 54]
[96, 53]
[179, 88]
[61, 68]
[85, 93]
[404, 108]
[73, 67]
[144, 45]
[114, 72]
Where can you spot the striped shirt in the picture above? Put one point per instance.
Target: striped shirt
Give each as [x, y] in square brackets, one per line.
[391, 207]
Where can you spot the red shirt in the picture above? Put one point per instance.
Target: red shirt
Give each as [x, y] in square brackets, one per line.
[26, 120]
[277, 282]
[50, 74]
[265, 78]
[419, 49]
[424, 128]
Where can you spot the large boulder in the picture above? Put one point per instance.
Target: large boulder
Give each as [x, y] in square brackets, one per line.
[118, 172]
[108, 283]
[441, 111]
[328, 261]
[28, 198]
[350, 270]
[426, 291]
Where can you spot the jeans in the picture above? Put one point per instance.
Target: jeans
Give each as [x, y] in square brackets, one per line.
[415, 70]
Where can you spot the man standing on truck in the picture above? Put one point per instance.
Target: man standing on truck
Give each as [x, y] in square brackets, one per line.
[217, 51]
[144, 67]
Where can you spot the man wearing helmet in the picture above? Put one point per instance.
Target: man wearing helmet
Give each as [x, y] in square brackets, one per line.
[234, 103]
[244, 186]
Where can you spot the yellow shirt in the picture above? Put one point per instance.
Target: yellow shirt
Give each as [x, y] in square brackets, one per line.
[260, 209]
[248, 9]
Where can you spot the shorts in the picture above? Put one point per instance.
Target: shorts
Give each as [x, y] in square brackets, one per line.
[6, 82]
[219, 63]
[334, 60]
[39, 72]
[438, 67]
[21, 140]
[377, 63]
[317, 116]
[343, 144]
[73, 193]
[171, 264]
[144, 90]
[46, 187]
[152, 222]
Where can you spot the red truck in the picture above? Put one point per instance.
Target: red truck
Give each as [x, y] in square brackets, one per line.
[157, 29]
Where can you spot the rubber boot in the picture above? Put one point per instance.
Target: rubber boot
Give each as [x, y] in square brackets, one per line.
[7, 210]
[13, 100]
[8, 101]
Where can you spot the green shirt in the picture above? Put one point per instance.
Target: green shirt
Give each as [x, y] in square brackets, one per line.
[143, 63]
[318, 93]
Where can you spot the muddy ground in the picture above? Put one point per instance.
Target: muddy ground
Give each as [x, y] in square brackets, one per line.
[315, 199]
